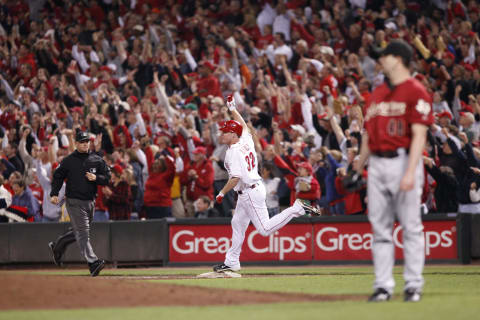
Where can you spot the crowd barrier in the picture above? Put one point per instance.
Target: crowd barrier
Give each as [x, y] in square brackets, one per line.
[116, 242]
[453, 238]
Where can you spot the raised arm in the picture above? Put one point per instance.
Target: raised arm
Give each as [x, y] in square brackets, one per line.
[335, 126]
[27, 159]
[364, 154]
[232, 106]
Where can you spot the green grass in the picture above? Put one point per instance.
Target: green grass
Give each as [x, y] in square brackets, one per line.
[451, 292]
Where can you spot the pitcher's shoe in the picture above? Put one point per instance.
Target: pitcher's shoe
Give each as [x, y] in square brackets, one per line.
[223, 267]
[96, 267]
[56, 256]
[412, 295]
[379, 295]
[308, 208]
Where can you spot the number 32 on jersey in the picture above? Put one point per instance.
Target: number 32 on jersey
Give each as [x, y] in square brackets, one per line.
[250, 159]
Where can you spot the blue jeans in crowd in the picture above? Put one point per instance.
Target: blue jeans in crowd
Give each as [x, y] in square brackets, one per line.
[338, 208]
[101, 215]
[158, 212]
[47, 219]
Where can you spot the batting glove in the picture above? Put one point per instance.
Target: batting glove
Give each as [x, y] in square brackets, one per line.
[219, 198]
[231, 103]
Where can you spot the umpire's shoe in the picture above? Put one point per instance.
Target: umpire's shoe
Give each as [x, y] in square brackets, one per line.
[223, 267]
[308, 208]
[96, 267]
[412, 295]
[379, 295]
[56, 256]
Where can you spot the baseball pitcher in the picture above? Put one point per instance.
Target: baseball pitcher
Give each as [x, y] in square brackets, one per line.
[397, 118]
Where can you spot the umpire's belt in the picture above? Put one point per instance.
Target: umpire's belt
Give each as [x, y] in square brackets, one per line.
[250, 187]
[390, 153]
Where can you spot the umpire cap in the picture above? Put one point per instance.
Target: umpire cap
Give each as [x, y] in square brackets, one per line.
[398, 48]
[82, 136]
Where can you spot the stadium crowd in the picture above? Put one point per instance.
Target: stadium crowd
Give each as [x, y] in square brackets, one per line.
[147, 79]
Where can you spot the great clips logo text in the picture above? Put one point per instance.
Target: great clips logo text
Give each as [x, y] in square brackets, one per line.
[185, 242]
[210, 243]
[353, 241]
[294, 242]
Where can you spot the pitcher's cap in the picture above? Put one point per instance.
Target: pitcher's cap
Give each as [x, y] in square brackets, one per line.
[398, 48]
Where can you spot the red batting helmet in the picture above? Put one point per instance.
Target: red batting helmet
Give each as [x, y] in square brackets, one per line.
[231, 126]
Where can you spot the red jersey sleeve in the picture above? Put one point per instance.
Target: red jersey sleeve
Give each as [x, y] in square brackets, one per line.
[419, 108]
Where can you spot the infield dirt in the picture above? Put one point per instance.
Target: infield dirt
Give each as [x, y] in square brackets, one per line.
[29, 291]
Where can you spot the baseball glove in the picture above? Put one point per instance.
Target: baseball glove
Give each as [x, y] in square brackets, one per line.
[353, 181]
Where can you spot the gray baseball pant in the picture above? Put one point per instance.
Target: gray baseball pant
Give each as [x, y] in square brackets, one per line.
[81, 217]
[385, 201]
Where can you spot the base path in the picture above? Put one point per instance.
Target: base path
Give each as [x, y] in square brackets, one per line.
[28, 291]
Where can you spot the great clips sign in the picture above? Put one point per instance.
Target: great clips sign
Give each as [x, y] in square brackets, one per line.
[332, 241]
[353, 241]
[202, 243]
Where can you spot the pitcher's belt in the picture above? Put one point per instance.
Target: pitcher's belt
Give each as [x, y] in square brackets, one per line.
[389, 153]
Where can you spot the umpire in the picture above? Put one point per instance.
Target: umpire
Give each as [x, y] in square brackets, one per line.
[83, 171]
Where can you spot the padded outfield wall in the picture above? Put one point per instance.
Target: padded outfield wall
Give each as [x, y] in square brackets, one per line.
[323, 240]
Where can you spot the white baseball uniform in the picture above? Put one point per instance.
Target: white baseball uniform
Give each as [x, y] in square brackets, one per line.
[241, 162]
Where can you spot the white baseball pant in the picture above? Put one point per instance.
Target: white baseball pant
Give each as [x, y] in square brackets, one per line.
[251, 206]
[385, 201]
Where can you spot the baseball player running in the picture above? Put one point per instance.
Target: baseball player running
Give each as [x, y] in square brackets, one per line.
[396, 122]
[242, 167]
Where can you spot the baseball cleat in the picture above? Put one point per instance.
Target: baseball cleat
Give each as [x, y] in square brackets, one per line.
[57, 257]
[379, 295]
[412, 295]
[308, 208]
[96, 267]
[223, 267]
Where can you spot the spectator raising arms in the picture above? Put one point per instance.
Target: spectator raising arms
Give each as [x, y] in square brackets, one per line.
[157, 200]
[149, 78]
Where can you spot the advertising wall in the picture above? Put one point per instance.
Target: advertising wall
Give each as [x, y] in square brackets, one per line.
[324, 240]
[317, 241]
[353, 241]
[202, 243]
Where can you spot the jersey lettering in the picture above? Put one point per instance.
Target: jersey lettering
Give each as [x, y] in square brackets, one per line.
[386, 109]
[250, 159]
[242, 162]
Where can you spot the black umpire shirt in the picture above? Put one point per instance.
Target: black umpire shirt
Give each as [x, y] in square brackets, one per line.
[73, 168]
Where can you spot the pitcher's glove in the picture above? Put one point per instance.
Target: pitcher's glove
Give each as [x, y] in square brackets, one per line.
[353, 181]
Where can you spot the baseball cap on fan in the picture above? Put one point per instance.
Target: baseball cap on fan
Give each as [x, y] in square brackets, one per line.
[200, 150]
[398, 48]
